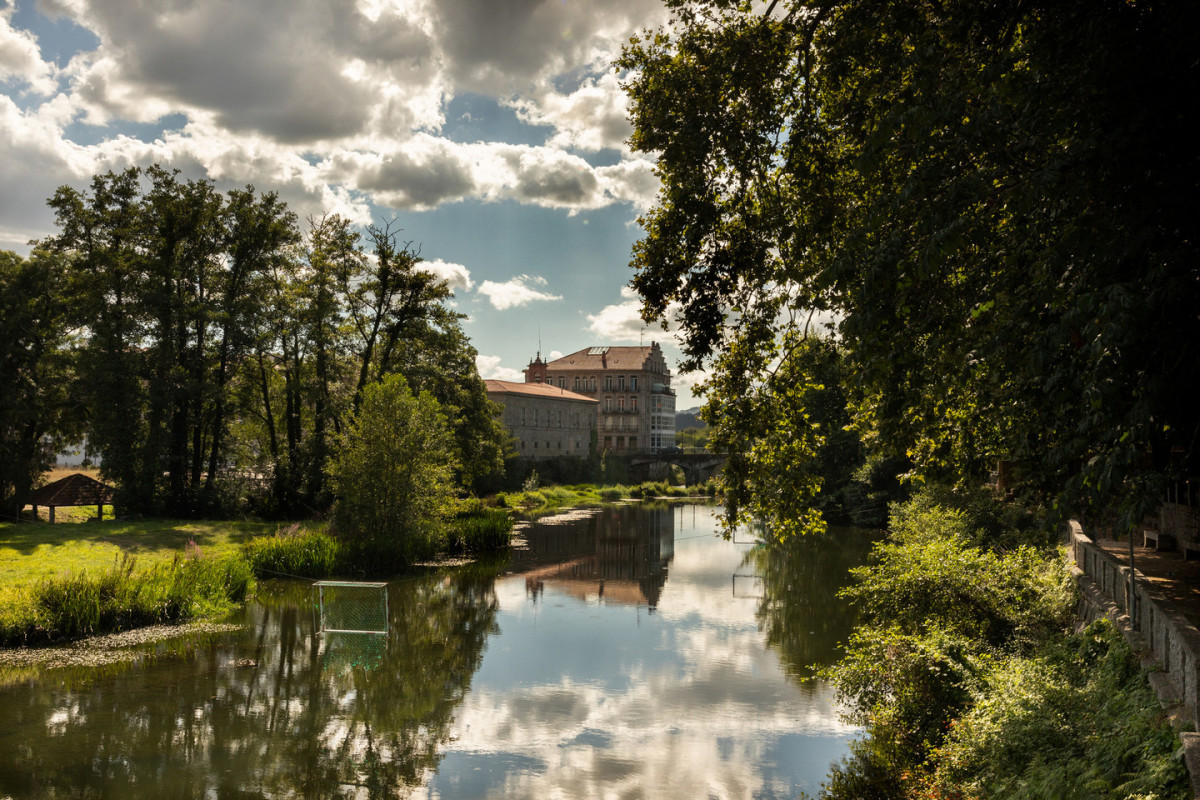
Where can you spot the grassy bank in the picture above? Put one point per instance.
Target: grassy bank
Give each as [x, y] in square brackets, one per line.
[968, 679]
[122, 597]
[537, 500]
[315, 552]
[64, 581]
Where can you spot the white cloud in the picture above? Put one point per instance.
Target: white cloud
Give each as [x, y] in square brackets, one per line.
[458, 276]
[295, 70]
[593, 117]
[516, 292]
[21, 59]
[334, 104]
[620, 322]
[501, 48]
[489, 367]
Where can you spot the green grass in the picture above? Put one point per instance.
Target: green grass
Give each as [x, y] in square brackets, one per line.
[480, 530]
[32, 552]
[546, 499]
[123, 597]
[65, 564]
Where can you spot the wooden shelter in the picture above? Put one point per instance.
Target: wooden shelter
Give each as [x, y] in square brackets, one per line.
[74, 490]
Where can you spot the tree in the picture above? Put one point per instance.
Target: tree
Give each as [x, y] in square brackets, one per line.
[393, 468]
[165, 277]
[993, 200]
[36, 372]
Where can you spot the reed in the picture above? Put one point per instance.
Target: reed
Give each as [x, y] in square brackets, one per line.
[296, 553]
[479, 531]
[122, 597]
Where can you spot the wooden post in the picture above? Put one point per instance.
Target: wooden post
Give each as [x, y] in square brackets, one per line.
[51, 515]
[34, 514]
[100, 512]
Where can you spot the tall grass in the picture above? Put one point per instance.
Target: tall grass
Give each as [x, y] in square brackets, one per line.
[479, 531]
[295, 553]
[121, 598]
[551, 498]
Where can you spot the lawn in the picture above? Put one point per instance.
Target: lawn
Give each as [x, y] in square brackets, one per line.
[32, 551]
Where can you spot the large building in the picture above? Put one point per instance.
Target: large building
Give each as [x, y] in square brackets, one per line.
[544, 420]
[633, 385]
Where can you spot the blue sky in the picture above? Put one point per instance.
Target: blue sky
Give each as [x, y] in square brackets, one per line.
[492, 130]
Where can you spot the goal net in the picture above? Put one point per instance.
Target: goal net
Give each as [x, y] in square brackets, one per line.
[352, 607]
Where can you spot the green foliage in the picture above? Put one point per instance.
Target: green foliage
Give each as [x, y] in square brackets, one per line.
[927, 575]
[36, 370]
[122, 598]
[295, 553]
[992, 199]
[164, 276]
[693, 440]
[480, 530]
[790, 453]
[1077, 721]
[906, 688]
[393, 471]
[963, 678]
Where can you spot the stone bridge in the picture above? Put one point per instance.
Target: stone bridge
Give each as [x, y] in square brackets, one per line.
[697, 467]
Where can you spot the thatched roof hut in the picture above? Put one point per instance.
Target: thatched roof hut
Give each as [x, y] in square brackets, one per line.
[74, 490]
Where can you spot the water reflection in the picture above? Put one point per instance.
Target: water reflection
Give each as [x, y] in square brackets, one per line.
[610, 656]
[797, 584]
[261, 714]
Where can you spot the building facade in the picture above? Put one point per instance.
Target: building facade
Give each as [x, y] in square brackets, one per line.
[632, 386]
[546, 421]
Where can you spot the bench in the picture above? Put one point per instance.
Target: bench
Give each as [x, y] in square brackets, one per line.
[1162, 541]
[1189, 549]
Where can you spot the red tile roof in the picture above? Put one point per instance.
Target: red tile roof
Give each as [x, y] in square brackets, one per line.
[619, 358]
[535, 390]
[74, 490]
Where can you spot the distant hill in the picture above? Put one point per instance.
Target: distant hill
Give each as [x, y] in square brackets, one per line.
[689, 418]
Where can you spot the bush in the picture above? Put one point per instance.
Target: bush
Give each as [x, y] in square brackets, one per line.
[392, 473]
[967, 683]
[1078, 721]
[925, 574]
[905, 688]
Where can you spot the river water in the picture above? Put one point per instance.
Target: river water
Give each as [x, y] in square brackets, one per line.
[624, 652]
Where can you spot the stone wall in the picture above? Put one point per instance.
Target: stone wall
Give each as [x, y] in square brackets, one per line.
[1168, 644]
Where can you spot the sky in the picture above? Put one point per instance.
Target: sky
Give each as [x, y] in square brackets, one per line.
[492, 131]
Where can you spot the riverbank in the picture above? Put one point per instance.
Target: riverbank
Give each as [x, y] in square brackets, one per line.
[971, 680]
[66, 581]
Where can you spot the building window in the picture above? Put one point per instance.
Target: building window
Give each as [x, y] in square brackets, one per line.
[562, 382]
[577, 383]
[608, 383]
[608, 443]
[633, 403]
[633, 383]
[621, 381]
[620, 403]
[633, 443]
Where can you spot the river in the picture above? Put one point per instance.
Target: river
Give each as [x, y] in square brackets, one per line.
[621, 652]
